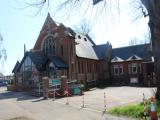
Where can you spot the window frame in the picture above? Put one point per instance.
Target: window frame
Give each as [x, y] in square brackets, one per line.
[134, 68]
[118, 68]
[115, 67]
[48, 46]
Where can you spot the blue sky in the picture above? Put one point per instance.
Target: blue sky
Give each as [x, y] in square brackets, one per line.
[20, 26]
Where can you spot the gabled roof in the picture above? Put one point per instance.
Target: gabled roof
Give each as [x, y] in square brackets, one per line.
[100, 50]
[49, 27]
[117, 59]
[134, 57]
[40, 61]
[85, 47]
[70, 32]
[137, 51]
[15, 69]
[48, 23]
[38, 58]
[58, 62]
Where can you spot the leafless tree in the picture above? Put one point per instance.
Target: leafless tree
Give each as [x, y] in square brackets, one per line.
[83, 27]
[153, 8]
[3, 54]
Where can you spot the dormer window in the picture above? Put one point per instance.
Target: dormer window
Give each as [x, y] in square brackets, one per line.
[48, 46]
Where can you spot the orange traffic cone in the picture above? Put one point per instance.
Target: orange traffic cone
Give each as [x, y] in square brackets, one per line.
[153, 113]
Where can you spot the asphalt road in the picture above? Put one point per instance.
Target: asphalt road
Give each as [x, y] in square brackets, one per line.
[14, 104]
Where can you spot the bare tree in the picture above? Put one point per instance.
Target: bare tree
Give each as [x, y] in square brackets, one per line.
[84, 27]
[153, 8]
[133, 41]
[3, 54]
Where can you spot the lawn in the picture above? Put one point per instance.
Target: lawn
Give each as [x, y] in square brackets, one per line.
[133, 111]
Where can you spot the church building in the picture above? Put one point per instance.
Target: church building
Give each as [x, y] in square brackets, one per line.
[60, 51]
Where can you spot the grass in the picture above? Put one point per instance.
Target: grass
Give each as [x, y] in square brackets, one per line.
[20, 118]
[133, 111]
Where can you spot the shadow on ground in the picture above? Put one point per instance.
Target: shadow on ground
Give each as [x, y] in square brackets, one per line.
[19, 96]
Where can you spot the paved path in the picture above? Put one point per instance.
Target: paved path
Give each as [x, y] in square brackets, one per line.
[14, 104]
[115, 96]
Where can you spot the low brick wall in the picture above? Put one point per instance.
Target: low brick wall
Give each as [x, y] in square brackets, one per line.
[18, 88]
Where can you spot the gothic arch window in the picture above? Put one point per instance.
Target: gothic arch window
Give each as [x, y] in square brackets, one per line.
[48, 46]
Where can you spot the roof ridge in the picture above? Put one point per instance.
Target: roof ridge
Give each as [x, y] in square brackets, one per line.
[131, 46]
[101, 44]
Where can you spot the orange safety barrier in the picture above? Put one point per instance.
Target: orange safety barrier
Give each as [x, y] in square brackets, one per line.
[153, 112]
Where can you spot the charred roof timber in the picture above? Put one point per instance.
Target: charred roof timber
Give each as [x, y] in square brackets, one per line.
[96, 1]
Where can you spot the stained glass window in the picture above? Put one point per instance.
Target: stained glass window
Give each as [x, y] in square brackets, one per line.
[49, 46]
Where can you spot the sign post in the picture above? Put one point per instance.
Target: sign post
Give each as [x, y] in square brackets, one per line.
[83, 101]
[145, 109]
[104, 103]
[67, 102]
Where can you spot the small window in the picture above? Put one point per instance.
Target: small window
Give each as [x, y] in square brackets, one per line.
[139, 68]
[134, 68]
[79, 36]
[115, 68]
[121, 69]
[82, 70]
[79, 69]
[62, 50]
[118, 69]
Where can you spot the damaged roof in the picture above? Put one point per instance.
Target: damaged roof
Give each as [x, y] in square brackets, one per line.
[58, 62]
[40, 61]
[84, 47]
[38, 58]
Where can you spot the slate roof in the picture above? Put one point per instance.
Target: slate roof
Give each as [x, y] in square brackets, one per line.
[58, 62]
[84, 47]
[138, 51]
[100, 50]
[15, 69]
[38, 58]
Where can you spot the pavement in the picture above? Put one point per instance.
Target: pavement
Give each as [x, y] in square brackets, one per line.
[14, 104]
[115, 96]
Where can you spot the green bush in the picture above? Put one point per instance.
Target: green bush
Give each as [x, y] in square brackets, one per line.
[134, 111]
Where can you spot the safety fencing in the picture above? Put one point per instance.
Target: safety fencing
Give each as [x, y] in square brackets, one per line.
[64, 89]
[152, 113]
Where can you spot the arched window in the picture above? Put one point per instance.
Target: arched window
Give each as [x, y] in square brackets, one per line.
[49, 46]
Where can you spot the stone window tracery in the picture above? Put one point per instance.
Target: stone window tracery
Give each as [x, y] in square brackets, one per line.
[49, 46]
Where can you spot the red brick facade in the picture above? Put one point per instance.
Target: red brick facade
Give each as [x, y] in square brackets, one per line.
[86, 62]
